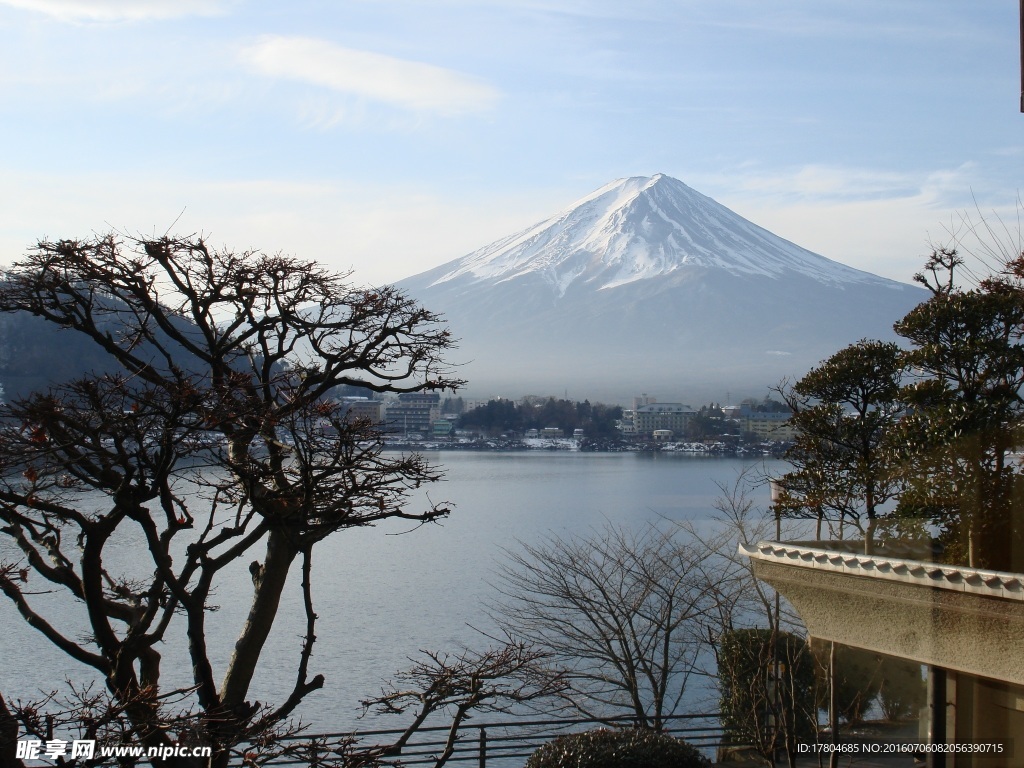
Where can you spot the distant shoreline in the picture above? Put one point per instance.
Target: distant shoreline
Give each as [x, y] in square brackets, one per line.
[529, 445]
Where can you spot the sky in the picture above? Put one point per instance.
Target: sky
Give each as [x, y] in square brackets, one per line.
[390, 136]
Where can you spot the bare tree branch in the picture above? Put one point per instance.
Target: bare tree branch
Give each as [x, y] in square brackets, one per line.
[619, 612]
[210, 431]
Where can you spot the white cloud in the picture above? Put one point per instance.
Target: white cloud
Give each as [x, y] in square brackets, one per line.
[120, 10]
[402, 83]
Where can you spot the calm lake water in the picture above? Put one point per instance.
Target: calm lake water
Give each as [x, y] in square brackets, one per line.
[383, 594]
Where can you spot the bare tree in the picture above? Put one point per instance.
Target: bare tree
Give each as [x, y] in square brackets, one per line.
[737, 598]
[210, 438]
[620, 613]
[494, 680]
[762, 666]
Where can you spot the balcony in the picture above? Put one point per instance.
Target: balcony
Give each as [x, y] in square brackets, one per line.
[965, 624]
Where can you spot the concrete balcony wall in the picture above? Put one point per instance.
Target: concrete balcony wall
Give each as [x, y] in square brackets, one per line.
[967, 622]
[963, 619]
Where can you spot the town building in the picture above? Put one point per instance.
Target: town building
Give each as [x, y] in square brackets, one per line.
[413, 413]
[625, 425]
[442, 428]
[735, 412]
[769, 425]
[647, 419]
[642, 400]
[364, 408]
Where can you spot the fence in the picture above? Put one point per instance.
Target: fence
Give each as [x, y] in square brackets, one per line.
[499, 743]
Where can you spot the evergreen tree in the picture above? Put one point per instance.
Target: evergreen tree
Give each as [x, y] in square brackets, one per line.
[965, 413]
[844, 412]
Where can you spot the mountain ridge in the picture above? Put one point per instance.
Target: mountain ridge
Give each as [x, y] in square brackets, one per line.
[635, 226]
[647, 285]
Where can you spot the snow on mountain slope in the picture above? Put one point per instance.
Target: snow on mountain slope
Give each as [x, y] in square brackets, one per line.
[648, 285]
[638, 229]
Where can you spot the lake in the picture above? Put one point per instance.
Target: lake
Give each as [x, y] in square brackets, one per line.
[382, 594]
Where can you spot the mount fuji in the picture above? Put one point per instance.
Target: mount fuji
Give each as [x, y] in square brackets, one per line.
[648, 285]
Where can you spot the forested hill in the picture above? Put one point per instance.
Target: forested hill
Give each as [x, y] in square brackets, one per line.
[35, 354]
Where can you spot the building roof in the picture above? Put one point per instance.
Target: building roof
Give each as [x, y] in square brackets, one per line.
[1009, 586]
[962, 619]
[665, 408]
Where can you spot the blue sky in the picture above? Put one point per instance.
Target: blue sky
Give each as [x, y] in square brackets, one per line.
[389, 136]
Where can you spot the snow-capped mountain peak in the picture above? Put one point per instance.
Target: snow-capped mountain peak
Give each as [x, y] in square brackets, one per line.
[640, 228]
[648, 285]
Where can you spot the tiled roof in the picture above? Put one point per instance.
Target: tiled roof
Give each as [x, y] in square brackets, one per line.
[1009, 586]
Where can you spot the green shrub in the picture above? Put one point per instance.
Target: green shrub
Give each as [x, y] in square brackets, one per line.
[903, 689]
[858, 679]
[603, 748]
[767, 694]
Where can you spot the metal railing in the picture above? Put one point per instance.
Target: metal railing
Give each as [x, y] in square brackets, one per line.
[499, 743]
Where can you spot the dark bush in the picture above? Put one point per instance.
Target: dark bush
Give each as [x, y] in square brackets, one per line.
[858, 679]
[766, 679]
[903, 689]
[617, 749]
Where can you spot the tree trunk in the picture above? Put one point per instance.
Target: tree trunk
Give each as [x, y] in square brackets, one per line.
[269, 581]
[8, 738]
[869, 532]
